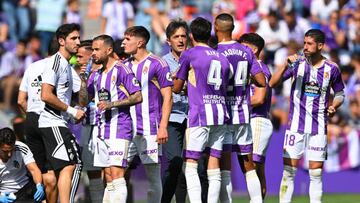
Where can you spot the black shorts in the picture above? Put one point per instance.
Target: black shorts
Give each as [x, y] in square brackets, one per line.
[61, 147]
[35, 141]
[26, 193]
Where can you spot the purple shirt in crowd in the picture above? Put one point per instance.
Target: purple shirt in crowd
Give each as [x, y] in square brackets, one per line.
[153, 74]
[309, 97]
[111, 86]
[206, 73]
[244, 63]
[264, 109]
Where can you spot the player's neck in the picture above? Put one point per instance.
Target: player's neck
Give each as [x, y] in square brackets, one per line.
[65, 53]
[109, 64]
[316, 60]
[140, 55]
[224, 37]
[176, 54]
[195, 43]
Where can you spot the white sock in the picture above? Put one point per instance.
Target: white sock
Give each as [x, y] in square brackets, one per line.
[287, 184]
[254, 187]
[120, 193]
[214, 178]
[108, 192]
[226, 187]
[96, 189]
[315, 188]
[155, 187]
[192, 182]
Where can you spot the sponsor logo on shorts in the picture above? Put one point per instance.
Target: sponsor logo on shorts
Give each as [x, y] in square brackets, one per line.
[116, 153]
[317, 148]
[150, 151]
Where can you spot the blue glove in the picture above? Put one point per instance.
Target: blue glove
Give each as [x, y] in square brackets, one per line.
[6, 199]
[40, 193]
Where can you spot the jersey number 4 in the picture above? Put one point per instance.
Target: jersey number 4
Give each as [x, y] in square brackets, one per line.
[214, 74]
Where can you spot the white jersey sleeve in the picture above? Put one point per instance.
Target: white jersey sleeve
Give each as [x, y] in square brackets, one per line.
[76, 81]
[49, 76]
[26, 154]
[24, 82]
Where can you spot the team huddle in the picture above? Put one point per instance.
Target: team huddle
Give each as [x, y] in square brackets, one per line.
[192, 102]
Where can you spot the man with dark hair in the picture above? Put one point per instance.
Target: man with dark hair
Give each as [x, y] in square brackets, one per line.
[16, 160]
[119, 50]
[96, 185]
[59, 81]
[261, 125]
[177, 33]
[206, 72]
[30, 102]
[239, 135]
[312, 78]
[151, 117]
[114, 89]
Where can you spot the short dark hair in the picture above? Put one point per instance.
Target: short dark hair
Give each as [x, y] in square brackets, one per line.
[64, 30]
[254, 39]
[138, 31]
[107, 39]
[175, 25]
[228, 18]
[200, 29]
[53, 46]
[7, 136]
[86, 44]
[318, 35]
[119, 49]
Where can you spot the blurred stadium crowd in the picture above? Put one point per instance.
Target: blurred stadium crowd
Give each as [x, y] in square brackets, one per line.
[27, 27]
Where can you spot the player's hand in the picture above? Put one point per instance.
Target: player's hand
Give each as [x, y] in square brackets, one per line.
[80, 114]
[83, 69]
[331, 111]
[7, 198]
[292, 58]
[104, 105]
[40, 193]
[162, 135]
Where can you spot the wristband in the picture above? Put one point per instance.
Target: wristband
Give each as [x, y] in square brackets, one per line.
[71, 111]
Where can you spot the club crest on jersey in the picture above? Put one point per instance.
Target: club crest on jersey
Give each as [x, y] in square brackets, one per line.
[135, 82]
[326, 75]
[113, 79]
[168, 77]
[145, 70]
[16, 164]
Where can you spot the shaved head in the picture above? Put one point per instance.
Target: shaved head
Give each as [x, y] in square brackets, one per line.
[224, 23]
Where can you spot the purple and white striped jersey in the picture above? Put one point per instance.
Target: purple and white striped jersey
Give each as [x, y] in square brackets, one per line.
[244, 64]
[206, 72]
[153, 74]
[264, 109]
[114, 85]
[309, 97]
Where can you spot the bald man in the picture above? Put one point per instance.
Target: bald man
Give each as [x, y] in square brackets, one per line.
[239, 137]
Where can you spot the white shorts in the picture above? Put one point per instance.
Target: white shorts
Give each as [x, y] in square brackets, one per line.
[88, 148]
[261, 133]
[199, 138]
[296, 143]
[110, 152]
[146, 147]
[241, 138]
